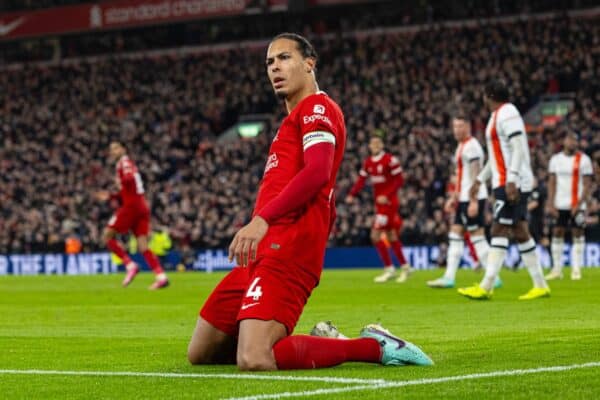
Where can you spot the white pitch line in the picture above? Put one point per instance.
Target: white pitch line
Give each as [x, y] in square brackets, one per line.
[266, 377]
[424, 381]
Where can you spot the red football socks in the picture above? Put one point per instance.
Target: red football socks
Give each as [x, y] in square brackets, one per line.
[397, 248]
[384, 254]
[307, 352]
[153, 262]
[116, 247]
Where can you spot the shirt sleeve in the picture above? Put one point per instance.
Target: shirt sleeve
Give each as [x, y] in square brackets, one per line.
[552, 165]
[473, 151]
[586, 166]
[395, 167]
[316, 123]
[510, 121]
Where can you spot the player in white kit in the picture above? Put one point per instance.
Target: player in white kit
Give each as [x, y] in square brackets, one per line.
[569, 185]
[509, 168]
[469, 213]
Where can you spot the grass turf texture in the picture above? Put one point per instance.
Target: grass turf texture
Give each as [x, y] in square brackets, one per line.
[90, 323]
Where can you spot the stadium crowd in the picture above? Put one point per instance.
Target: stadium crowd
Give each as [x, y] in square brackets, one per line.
[57, 122]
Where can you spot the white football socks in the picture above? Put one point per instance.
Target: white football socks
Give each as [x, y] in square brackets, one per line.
[557, 247]
[482, 248]
[495, 258]
[455, 251]
[532, 262]
[577, 253]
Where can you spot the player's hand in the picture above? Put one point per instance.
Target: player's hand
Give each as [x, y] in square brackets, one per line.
[102, 195]
[552, 211]
[449, 206]
[381, 199]
[512, 194]
[575, 210]
[474, 190]
[473, 208]
[245, 242]
[349, 199]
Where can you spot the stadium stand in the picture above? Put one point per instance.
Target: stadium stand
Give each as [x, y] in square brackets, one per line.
[169, 107]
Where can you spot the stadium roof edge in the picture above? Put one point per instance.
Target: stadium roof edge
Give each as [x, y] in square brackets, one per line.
[587, 13]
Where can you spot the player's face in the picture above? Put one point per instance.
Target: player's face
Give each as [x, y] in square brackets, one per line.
[375, 145]
[461, 129]
[570, 143]
[115, 151]
[487, 102]
[287, 69]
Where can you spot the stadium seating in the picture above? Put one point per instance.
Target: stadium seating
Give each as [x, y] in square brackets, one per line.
[58, 120]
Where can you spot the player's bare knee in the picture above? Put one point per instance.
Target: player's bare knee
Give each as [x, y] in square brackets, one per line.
[558, 232]
[375, 236]
[255, 361]
[106, 236]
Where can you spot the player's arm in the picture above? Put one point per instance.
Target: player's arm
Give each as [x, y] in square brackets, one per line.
[397, 180]
[587, 185]
[452, 190]
[318, 165]
[517, 156]
[474, 170]
[534, 200]
[550, 208]
[358, 185]
[484, 175]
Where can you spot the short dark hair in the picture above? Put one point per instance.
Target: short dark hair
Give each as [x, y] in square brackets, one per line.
[378, 134]
[304, 46]
[497, 90]
[461, 114]
[572, 133]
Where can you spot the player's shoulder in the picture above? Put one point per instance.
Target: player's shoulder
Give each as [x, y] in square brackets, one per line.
[319, 103]
[508, 110]
[473, 143]
[585, 157]
[556, 156]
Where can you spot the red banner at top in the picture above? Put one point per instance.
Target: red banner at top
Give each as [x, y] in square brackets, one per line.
[116, 14]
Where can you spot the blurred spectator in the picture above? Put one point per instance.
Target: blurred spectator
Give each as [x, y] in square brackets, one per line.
[58, 120]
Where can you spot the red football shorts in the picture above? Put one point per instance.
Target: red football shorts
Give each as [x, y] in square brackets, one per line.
[131, 219]
[387, 218]
[266, 290]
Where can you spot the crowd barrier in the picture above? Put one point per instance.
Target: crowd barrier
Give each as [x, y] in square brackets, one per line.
[420, 257]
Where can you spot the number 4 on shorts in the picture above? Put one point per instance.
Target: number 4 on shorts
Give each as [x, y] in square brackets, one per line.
[254, 290]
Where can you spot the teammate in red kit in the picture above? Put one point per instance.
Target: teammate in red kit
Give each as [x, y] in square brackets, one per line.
[385, 172]
[250, 315]
[132, 216]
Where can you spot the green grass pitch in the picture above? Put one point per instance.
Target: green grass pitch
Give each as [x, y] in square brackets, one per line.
[90, 323]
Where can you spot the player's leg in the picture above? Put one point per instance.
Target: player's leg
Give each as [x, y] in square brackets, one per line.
[531, 260]
[160, 280]
[141, 229]
[475, 226]
[270, 310]
[382, 250]
[455, 252]
[214, 338]
[210, 345]
[472, 250]
[393, 233]
[557, 245]
[120, 222]
[577, 252]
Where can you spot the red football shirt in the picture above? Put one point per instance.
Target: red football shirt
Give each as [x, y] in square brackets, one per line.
[385, 172]
[130, 182]
[301, 236]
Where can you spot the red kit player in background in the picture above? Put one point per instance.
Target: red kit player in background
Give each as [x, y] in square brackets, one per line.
[385, 172]
[249, 317]
[133, 216]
